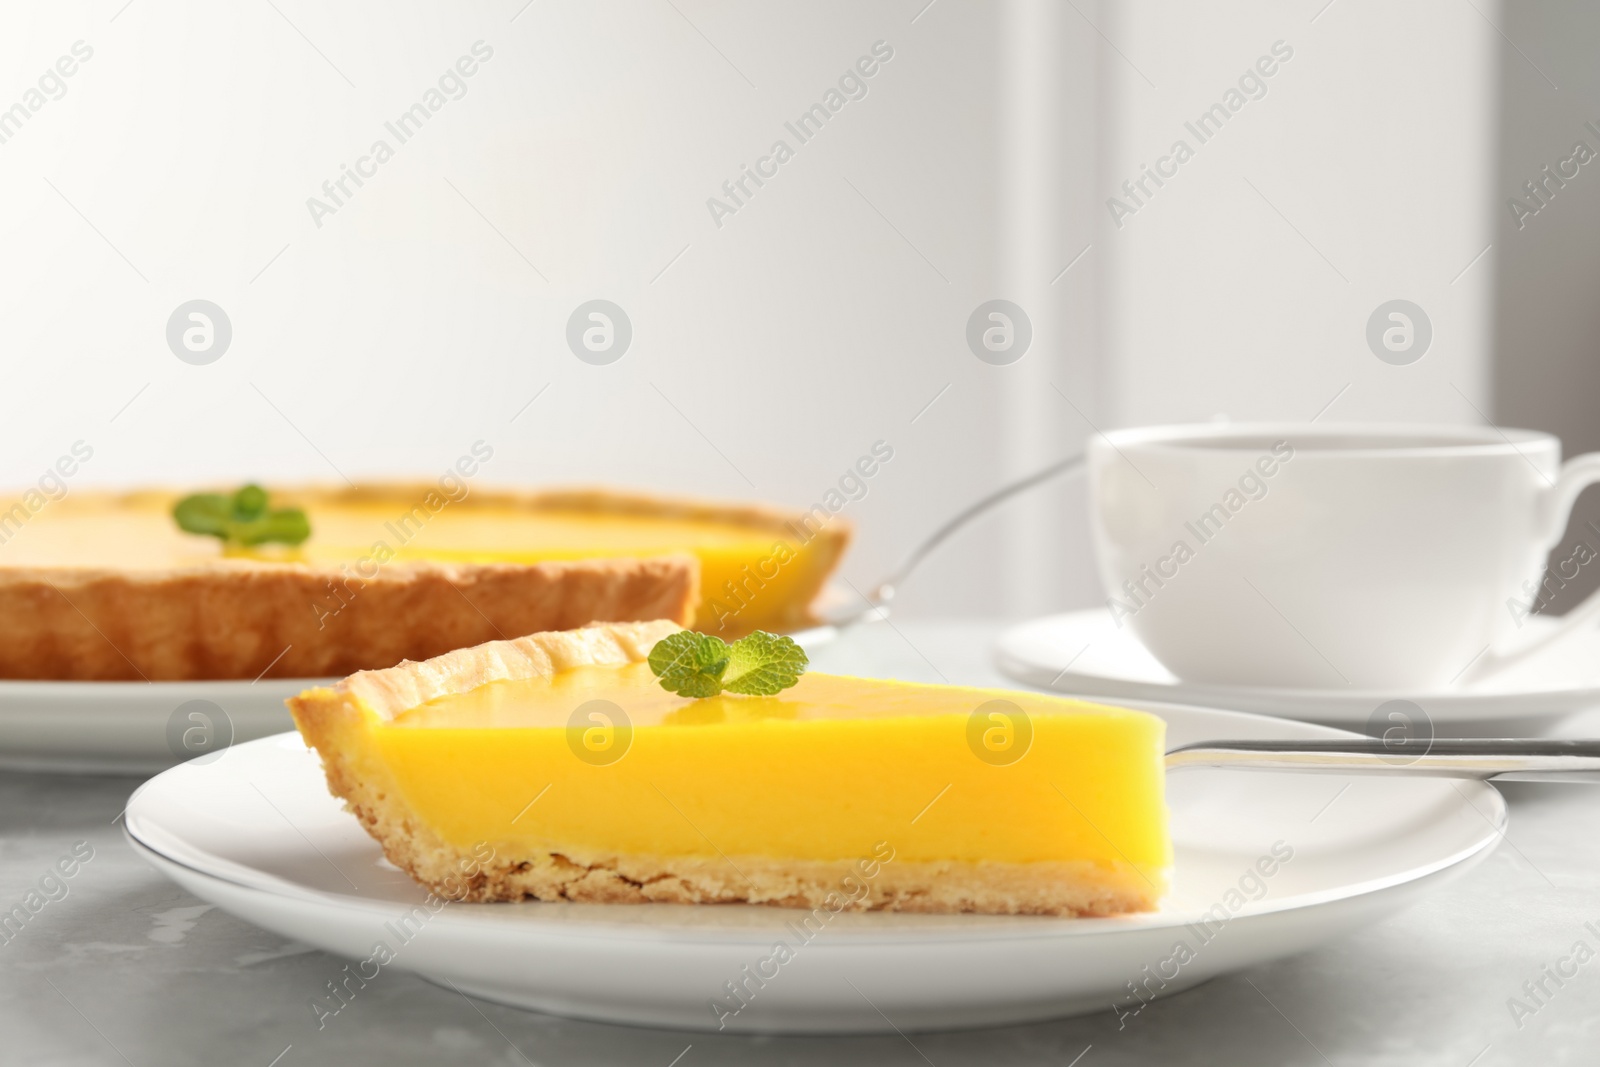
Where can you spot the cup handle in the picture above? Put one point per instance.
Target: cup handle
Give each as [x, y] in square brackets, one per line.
[1577, 474]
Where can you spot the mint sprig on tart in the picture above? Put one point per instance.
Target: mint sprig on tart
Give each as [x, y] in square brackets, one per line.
[242, 518]
[700, 665]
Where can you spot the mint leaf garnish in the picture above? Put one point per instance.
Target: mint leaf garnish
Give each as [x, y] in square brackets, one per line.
[762, 664]
[245, 517]
[700, 665]
[690, 664]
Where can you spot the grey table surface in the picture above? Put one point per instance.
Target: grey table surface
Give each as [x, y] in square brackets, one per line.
[126, 968]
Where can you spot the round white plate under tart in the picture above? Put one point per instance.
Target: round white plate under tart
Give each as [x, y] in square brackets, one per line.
[1085, 653]
[135, 727]
[1267, 865]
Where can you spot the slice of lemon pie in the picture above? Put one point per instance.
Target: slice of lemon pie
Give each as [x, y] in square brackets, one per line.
[563, 756]
[108, 586]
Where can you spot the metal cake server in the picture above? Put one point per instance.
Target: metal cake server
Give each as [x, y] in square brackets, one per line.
[876, 602]
[1485, 759]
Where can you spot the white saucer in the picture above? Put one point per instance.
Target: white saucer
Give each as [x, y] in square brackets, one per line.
[135, 727]
[256, 833]
[1084, 653]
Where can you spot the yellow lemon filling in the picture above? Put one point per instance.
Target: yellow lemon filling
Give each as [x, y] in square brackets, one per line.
[601, 760]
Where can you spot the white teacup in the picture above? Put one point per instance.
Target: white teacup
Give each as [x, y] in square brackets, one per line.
[1330, 556]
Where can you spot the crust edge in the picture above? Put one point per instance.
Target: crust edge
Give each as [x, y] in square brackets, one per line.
[300, 621]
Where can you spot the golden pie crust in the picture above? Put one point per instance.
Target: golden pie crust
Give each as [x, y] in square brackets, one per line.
[244, 619]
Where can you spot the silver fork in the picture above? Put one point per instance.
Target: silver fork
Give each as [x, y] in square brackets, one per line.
[1501, 759]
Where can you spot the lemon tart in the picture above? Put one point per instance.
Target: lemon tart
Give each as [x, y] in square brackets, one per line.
[559, 756]
[104, 586]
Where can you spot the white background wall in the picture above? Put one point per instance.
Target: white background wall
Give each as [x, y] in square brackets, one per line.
[1363, 175]
[770, 352]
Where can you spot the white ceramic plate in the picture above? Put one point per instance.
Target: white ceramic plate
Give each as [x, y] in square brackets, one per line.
[256, 833]
[144, 727]
[135, 727]
[1084, 653]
